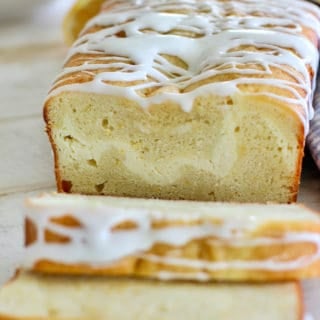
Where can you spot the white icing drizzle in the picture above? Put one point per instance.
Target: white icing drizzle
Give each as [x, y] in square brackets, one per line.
[97, 244]
[123, 51]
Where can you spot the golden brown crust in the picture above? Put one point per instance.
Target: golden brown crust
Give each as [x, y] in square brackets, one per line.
[54, 148]
[145, 269]
[301, 307]
[297, 176]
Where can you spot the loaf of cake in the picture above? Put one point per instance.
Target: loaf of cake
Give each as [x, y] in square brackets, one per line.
[197, 100]
[171, 240]
[78, 298]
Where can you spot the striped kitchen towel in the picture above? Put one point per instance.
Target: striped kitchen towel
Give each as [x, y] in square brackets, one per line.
[313, 139]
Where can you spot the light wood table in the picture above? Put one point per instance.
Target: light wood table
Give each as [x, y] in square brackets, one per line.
[31, 54]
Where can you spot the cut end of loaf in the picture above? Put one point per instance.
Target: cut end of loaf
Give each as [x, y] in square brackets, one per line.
[219, 151]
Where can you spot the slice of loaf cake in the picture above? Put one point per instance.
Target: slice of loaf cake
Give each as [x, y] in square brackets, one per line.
[79, 298]
[187, 100]
[171, 240]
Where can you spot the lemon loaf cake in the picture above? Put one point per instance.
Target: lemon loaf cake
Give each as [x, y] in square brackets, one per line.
[59, 298]
[196, 100]
[171, 240]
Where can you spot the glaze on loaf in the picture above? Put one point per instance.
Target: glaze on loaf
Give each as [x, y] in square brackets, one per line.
[171, 240]
[198, 100]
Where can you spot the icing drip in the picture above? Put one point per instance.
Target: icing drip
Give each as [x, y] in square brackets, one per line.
[97, 243]
[222, 46]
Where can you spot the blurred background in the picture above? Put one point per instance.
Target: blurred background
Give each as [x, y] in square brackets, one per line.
[19, 10]
[32, 52]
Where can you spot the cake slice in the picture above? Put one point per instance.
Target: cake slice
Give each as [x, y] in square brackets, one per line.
[171, 240]
[186, 99]
[59, 298]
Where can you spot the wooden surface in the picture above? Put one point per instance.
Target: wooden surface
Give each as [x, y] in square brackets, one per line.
[31, 53]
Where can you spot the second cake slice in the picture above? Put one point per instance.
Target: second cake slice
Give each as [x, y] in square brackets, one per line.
[171, 239]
